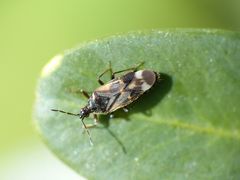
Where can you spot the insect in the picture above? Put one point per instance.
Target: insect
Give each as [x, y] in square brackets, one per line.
[115, 94]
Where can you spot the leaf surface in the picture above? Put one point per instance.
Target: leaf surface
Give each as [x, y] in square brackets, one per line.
[186, 127]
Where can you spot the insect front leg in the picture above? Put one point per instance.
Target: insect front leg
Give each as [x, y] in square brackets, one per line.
[95, 119]
[95, 123]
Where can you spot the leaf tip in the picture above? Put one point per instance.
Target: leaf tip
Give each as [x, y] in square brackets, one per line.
[53, 64]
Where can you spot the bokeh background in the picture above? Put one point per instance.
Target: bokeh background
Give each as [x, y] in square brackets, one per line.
[32, 32]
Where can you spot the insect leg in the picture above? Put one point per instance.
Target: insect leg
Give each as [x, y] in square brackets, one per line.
[95, 123]
[111, 72]
[86, 130]
[84, 93]
[95, 118]
[114, 73]
[129, 69]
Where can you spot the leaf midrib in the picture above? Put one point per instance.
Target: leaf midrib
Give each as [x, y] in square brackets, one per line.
[217, 132]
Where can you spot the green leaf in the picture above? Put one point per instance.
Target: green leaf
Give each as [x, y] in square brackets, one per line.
[186, 127]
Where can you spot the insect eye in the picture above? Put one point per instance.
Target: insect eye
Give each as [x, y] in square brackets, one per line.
[81, 112]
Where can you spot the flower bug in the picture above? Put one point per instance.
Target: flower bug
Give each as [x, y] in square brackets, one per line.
[115, 94]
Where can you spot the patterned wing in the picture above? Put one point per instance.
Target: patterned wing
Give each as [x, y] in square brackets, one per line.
[136, 83]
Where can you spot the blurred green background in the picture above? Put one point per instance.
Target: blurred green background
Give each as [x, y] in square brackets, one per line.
[32, 32]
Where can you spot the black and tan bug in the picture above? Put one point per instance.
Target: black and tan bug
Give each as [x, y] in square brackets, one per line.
[115, 94]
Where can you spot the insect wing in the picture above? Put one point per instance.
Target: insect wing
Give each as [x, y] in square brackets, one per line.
[124, 90]
[106, 95]
[136, 83]
[125, 97]
[110, 89]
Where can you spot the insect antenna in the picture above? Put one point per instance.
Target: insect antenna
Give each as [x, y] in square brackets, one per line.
[89, 135]
[84, 125]
[61, 111]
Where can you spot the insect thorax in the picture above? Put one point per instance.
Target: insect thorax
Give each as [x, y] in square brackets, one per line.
[97, 103]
